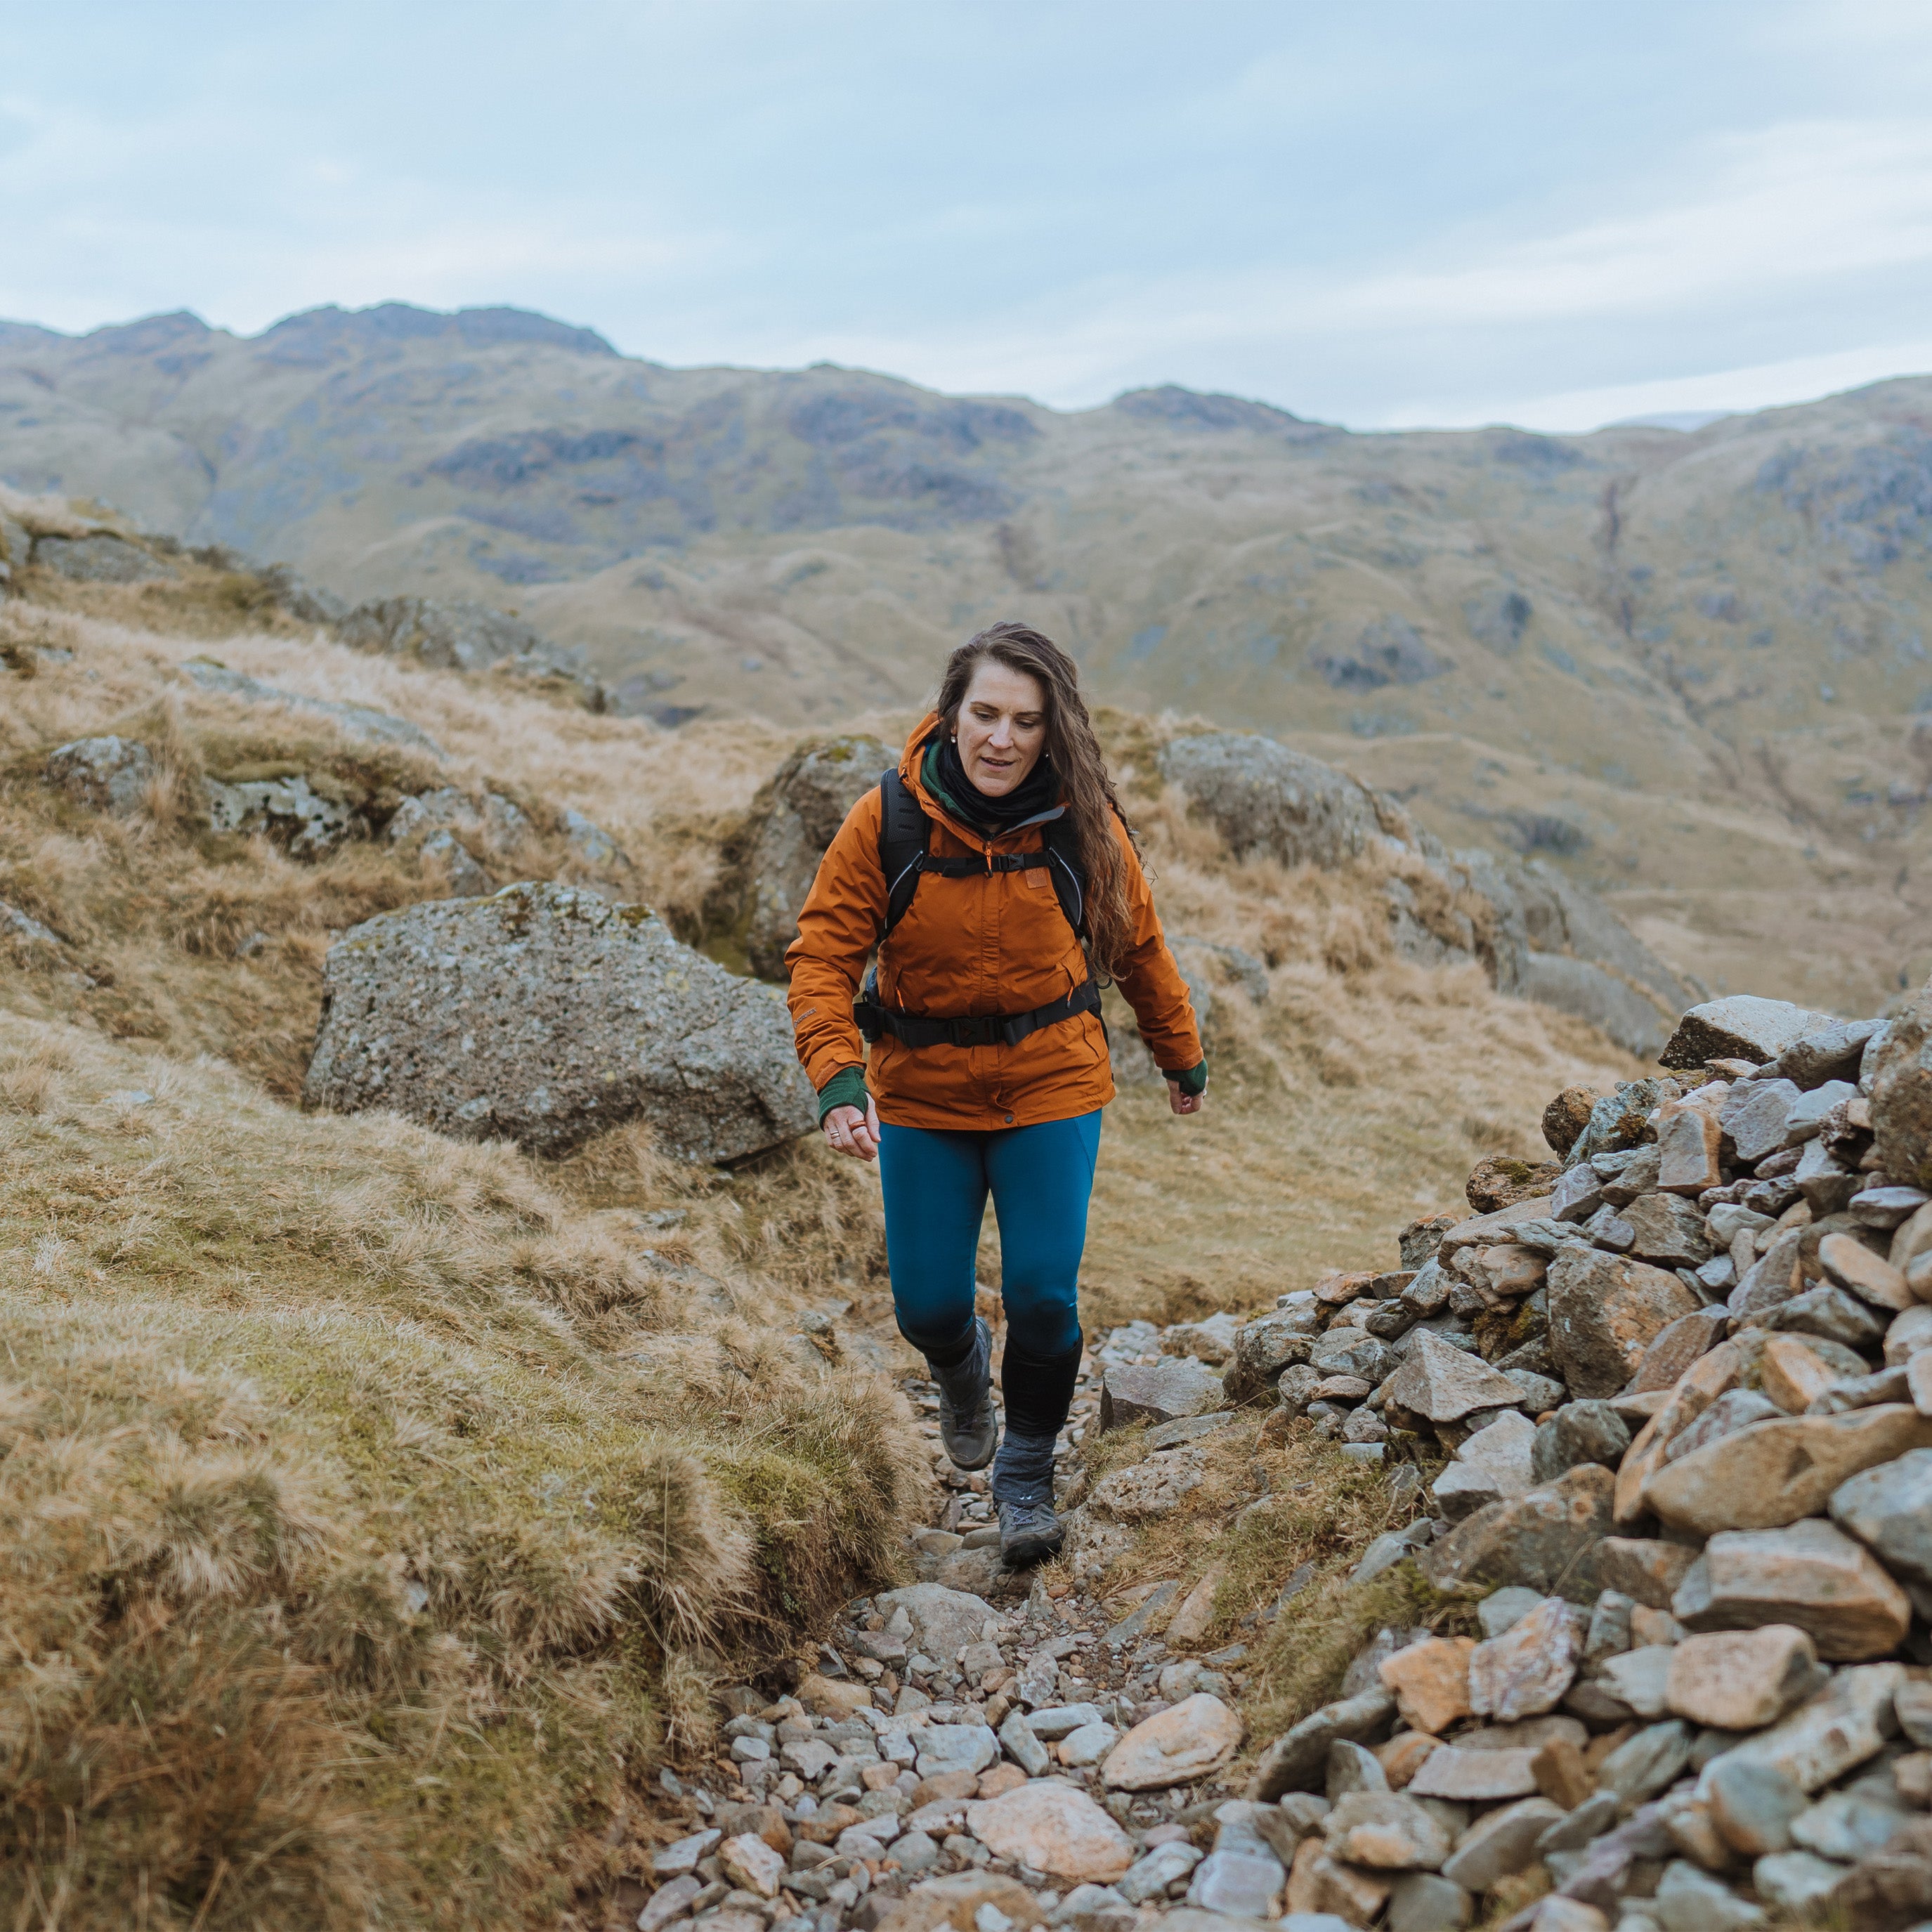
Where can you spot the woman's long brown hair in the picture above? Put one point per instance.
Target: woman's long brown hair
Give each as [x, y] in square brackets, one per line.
[1076, 754]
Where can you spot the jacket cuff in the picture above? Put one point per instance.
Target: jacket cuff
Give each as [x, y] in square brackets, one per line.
[846, 1088]
[1192, 1082]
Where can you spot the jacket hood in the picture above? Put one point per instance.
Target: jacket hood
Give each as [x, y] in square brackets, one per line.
[914, 756]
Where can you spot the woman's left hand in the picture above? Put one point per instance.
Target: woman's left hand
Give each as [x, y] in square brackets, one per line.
[1184, 1103]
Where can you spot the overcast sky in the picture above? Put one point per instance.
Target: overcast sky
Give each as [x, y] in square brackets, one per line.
[1385, 213]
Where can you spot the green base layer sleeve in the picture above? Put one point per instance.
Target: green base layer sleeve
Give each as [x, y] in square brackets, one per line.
[846, 1088]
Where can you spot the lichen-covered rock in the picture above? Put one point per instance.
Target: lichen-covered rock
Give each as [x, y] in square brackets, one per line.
[106, 774]
[547, 1014]
[1501, 1181]
[591, 845]
[1604, 1312]
[309, 823]
[1901, 1093]
[488, 815]
[1545, 1540]
[1617, 1120]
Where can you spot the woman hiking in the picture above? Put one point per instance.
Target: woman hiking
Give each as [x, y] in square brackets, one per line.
[996, 875]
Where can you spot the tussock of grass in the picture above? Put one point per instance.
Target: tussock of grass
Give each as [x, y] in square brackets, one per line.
[1268, 1506]
[1299, 1666]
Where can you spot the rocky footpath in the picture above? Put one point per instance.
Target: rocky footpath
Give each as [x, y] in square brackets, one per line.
[1660, 1415]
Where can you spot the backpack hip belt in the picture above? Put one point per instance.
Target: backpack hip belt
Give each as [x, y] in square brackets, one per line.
[971, 1029]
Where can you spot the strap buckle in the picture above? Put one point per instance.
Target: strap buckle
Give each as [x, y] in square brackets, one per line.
[978, 1030]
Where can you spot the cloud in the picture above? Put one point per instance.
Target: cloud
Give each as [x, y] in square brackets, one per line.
[1802, 208]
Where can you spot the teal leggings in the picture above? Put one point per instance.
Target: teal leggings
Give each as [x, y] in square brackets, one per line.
[936, 1183]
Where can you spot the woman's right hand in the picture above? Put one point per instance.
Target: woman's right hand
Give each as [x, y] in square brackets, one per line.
[851, 1132]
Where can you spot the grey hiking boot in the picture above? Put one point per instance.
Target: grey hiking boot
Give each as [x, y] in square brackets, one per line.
[967, 1426]
[1030, 1532]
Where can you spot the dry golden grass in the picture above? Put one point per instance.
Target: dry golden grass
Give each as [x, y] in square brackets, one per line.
[374, 1503]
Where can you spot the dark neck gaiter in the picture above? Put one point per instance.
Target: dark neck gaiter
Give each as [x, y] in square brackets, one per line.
[1038, 792]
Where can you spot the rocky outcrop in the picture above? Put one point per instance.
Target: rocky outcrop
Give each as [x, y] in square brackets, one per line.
[455, 636]
[359, 721]
[774, 857]
[308, 818]
[546, 1015]
[1536, 933]
[102, 558]
[454, 828]
[1262, 797]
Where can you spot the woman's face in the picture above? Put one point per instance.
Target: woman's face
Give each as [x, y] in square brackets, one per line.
[1002, 728]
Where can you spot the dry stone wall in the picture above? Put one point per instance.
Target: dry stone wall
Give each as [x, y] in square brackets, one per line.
[1684, 1392]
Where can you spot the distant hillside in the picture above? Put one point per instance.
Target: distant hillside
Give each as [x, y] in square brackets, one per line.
[1684, 666]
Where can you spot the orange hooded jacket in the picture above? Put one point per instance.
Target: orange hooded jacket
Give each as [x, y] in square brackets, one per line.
[995, 942]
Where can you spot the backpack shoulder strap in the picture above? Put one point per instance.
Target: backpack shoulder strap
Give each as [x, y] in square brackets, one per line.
[1070, 882]
[905, 835]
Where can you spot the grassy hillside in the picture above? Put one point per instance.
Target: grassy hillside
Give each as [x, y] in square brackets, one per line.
[384, 1509]
[1686, 667]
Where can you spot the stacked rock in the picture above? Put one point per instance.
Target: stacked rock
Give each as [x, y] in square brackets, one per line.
[1687, 1396]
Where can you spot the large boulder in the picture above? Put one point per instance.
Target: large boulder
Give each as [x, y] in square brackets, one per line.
[1262, 797]
[547, 1014]
[1901, 1092]
[794, 817]
[1743, 1026]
